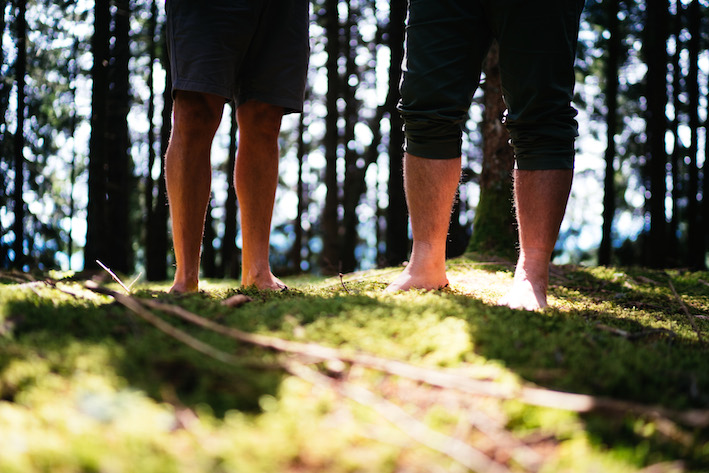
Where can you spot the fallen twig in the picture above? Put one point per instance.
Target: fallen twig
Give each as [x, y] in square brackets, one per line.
[342, 281]
[686, 312]
[453, 448]
[20, 278]
[665, 467]
[634, 335]
[581, 403]
[459, 451]
[647, 280]
[522, 453]
[113, 275]
[139, 309]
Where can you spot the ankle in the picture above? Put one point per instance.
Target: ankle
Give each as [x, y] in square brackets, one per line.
[182, 287]
[428, 257]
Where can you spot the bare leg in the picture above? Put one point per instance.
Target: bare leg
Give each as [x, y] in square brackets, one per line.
[188, 177]
[431, 185]
[256, 179]
[540, 199]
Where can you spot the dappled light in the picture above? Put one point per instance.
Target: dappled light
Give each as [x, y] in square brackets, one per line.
[140, 334]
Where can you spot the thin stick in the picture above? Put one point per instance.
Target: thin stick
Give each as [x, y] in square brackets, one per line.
[633, 335]
[312, 350]
[113, 275]
[134, 305]
[342, 281]
[686, 312]
[455, 449]
[533, 396]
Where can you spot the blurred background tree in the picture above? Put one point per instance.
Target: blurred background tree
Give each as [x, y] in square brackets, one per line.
[86, 104]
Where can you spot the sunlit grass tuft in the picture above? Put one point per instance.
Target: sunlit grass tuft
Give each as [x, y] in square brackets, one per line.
[85, 385]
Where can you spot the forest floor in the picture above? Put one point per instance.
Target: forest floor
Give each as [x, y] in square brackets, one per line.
[335, 375]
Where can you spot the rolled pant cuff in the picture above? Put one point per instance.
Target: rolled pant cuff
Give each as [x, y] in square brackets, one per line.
[433, 149]
[539, 163]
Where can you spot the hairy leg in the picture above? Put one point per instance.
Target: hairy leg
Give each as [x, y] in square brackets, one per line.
[256, 179]
[188, 177]
[540, 200]
[431, 186]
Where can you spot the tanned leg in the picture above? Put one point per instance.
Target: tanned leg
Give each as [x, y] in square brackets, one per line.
[188, 178]
[431, 186]
[256, 179]
[540, 199]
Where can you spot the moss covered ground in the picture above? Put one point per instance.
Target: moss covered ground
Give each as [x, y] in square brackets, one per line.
[86, 385]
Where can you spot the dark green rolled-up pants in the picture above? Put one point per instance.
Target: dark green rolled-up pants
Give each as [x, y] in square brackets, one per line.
[446, 42]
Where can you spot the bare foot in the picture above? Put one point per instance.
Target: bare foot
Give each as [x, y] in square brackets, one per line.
[182, 288]
[525, 295]
[426, 269]
[416, 278]
[263, 282]
[529, 288]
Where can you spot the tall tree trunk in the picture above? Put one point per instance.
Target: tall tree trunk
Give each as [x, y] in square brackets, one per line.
[230, 253]
[655, 49]
[609, 196]
[209, 255]
[120, 183]
[73, 76]
[696, 244]
[397, 229]
[330, 220]
[159, 238]
[705, 188]
[19, 139]
[97, 228]
[5, 89]
[155, 267]
[678, 150]
[494, 225]
[297, 250]
[354, 167]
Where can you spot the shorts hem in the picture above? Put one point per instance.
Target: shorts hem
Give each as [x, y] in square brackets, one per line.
[193, 86]
[289, 105]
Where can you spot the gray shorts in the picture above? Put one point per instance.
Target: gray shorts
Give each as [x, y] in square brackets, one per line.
[240, 49]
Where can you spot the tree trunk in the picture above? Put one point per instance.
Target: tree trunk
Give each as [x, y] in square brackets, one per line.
[655, 49]
[97, 228]
[678, 150]
[5, 155]
[354, 171]
[494, 225]
[230, 253]
[705, 189]
[120, 183]
[209, 255]
[696, 245]
[19, 138]
[330, 221]
[397, 229]
[155, 254]
[74, 72]
[609, 196]
[297, 249]
[159, 226]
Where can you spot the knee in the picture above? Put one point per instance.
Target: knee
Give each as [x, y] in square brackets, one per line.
[197, 115]
[259, 120]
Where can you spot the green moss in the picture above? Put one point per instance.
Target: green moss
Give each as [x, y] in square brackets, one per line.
[85, 385]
